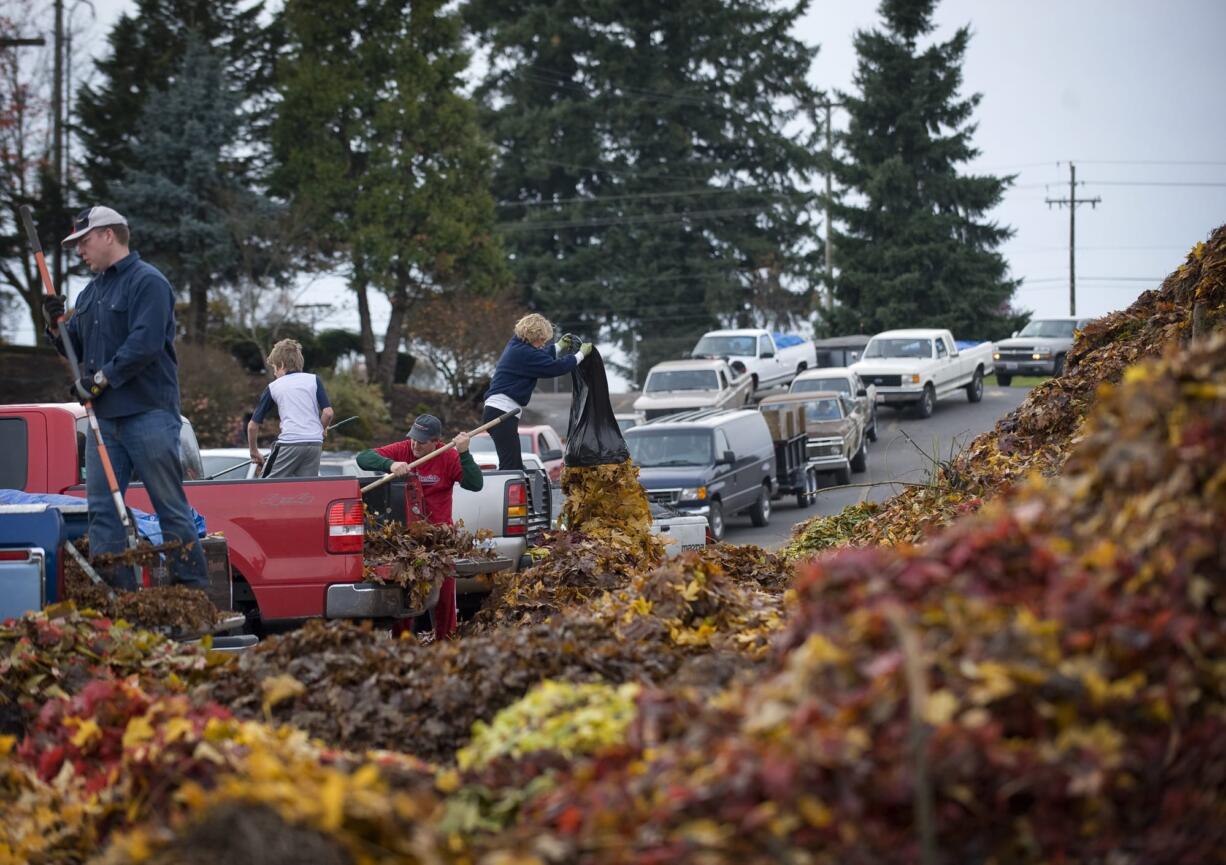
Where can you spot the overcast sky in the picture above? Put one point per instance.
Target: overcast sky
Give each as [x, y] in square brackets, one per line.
[1127, 89]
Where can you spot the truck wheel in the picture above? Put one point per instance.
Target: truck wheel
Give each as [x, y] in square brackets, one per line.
[974, 390]
[715, 519]
[842, 477]
[927, 403]
[1004, 379]
[859, 463]
[1058, 369]
[760, 513]
[872, 430]
[808, 495]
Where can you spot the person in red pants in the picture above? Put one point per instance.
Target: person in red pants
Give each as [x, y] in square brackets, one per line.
[438, 478]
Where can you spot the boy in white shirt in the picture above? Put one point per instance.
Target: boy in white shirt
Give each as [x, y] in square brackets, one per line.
[305, 412]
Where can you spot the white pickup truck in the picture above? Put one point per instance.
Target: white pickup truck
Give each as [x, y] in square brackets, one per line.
[770, 358]
[919, 366]
[674, 386]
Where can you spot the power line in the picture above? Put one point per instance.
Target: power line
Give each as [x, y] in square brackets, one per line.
[1155, 183]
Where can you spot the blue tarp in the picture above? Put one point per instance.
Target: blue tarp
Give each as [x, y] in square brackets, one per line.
[964, 344]
[147, 525]
[783, 340]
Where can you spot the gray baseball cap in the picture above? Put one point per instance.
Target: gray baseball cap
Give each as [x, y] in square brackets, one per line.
[91, 218]
[426, 428]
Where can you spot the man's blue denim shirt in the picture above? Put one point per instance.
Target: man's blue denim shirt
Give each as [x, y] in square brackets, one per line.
[124, 325]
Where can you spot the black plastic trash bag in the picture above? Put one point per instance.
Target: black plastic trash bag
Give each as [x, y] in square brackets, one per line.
[593, 437]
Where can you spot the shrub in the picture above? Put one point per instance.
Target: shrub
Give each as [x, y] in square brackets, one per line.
[216, 392]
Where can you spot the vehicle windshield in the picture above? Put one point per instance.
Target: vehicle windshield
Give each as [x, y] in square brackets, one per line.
[809, 385]
[724, 346]
[483, 444]
[817, 410]
[670, 448]
[899, 347]
[681, 379]
[215, 463]
[1050, 329]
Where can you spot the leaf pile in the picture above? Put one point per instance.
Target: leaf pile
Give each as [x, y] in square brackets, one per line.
[420, 556]
[356, 692]
[691, 603]
[58, 651]
[118, 765]
[750, 565]
[560, 717]
[608, 502]
[1044, 679]
[570, 569]
[174, 610]
[1037, 436]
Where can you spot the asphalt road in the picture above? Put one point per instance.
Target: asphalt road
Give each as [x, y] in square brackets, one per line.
[953, 425]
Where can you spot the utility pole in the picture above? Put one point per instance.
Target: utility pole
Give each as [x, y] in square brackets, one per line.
[829, 194]
[1072, 201]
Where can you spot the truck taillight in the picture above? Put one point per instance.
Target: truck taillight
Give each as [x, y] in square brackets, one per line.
[515, 508]
[346, 526]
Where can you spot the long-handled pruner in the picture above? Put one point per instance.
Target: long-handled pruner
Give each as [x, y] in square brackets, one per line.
[27, 216]
[387, 477]
[340, 422]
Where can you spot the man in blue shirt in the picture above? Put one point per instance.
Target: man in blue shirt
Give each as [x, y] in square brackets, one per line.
[123, 330]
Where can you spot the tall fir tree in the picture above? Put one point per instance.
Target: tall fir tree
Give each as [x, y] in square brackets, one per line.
[144, 51]
[912, 245]
[653, 163]
[383, 155]
[181, 198]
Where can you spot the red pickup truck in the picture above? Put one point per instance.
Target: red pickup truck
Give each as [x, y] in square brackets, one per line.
[295, 543]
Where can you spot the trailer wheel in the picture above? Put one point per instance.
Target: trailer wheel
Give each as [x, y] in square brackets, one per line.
[808, 495]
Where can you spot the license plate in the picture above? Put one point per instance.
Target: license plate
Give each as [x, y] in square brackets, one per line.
[1009, 365]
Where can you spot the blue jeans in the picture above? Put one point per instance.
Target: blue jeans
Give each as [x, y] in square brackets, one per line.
[148, 442]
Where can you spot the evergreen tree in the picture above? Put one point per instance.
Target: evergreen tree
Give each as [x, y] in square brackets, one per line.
[145, 50]
[914, 249]
[384, 157]
[651, 168]
[178, 192]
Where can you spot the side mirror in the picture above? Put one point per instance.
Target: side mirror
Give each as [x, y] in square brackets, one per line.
[767, 354]
[727, 457]
[862, 392]
[1013, 334]
[551, 455]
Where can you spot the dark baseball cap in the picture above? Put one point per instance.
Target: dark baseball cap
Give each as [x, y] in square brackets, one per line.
[89, 219]
[426, 428]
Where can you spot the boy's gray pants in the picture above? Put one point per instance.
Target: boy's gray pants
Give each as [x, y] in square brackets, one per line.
[293, 460]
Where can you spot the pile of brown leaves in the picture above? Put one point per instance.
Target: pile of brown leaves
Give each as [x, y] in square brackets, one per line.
[1036, 437]
[570, 569]
[608, 503]
[174, 610]
[1042, 680]
[418, 556]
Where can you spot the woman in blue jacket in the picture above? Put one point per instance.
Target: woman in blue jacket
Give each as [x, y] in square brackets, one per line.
[528, 356]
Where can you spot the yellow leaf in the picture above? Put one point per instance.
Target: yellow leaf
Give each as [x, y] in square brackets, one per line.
[814, 811]
[447, 781]
[940, 707]
[332, 802]
[86, 730]
[138, 730]
[1102, 555]
[7, 743]
[176, 729]
[279, 688]
[692, 591]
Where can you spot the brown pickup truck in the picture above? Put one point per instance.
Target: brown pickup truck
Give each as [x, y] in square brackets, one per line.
[837, 443]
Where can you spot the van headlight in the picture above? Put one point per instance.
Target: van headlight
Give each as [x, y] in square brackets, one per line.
[694, 494]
